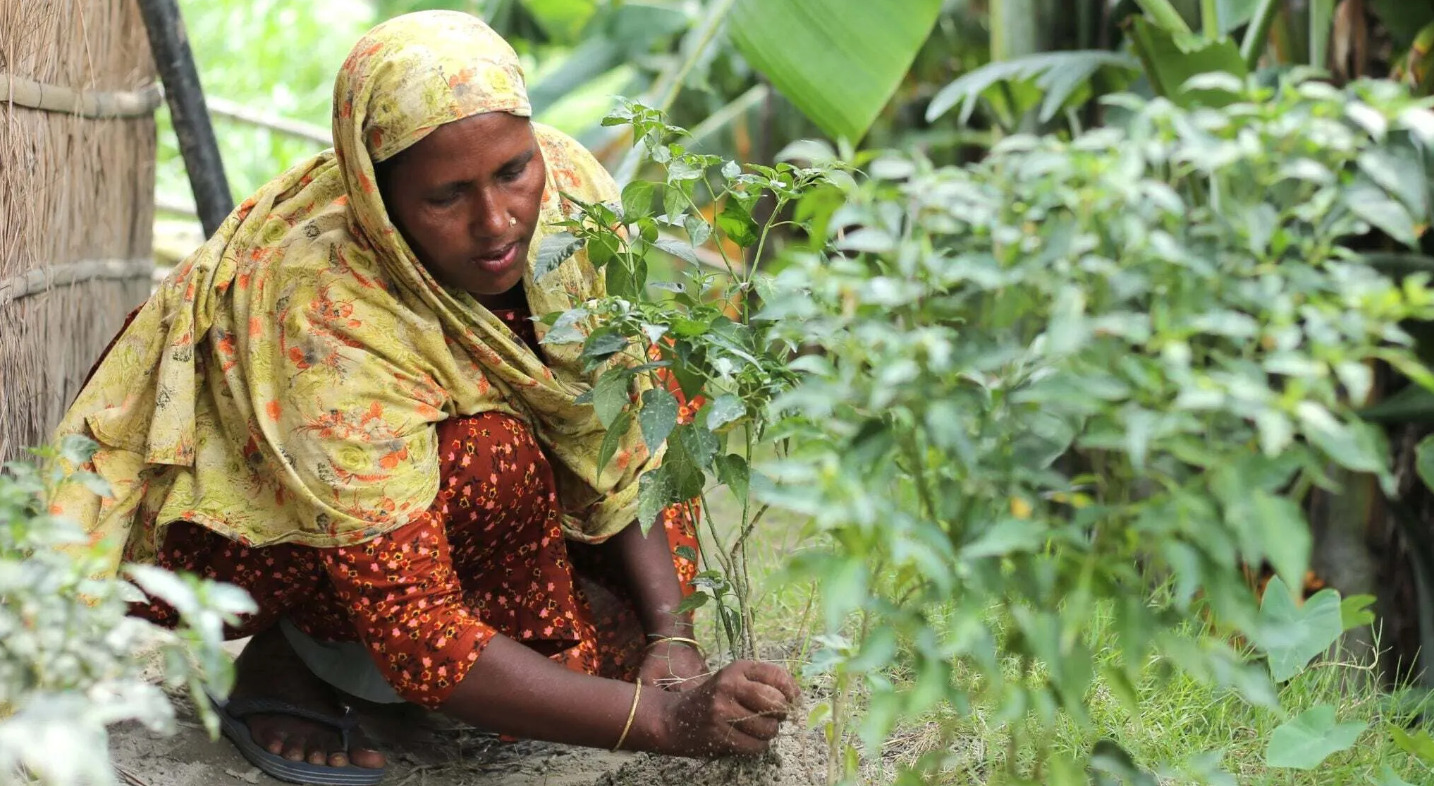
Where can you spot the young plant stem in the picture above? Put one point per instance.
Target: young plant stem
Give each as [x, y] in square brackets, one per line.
[1257, 35]
[1165, 15]
[1210, 19]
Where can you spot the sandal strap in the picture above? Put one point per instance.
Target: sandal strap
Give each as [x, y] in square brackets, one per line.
[242, 708]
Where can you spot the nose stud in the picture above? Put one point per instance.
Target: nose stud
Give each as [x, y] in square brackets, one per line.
[512, 221]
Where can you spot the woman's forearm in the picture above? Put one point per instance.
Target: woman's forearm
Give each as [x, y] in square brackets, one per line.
[513, 690]
[652, 579]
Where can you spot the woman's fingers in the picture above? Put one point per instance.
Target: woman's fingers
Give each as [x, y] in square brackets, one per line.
[773, 675]
[760, 699]
[759, 727]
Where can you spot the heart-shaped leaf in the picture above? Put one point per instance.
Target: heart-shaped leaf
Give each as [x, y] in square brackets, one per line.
[1293, 635]
[1311, 737]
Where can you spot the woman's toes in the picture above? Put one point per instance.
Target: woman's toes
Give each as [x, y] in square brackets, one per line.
[366, 757]
[294, 752]
[339, 759]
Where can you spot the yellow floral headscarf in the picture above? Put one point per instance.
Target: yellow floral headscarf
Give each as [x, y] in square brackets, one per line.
[283, 383]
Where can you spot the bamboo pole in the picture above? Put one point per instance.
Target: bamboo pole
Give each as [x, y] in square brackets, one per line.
[44, 279]
[31, 94]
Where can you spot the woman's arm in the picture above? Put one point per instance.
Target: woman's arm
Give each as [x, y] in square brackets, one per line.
[408, 609]
[514, 690]
[647, 563]
[652, 579]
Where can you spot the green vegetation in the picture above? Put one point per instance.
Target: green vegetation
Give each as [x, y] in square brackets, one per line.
[1023, 370]
[71, 662]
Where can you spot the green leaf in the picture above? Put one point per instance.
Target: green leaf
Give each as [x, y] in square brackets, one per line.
[565, 329]
[1381, 211]
[732, 471]
[1235, 13]
[693, 602]
[727, 408]
[562, 20]
[603, 344]
[1417, 744]
[1007, 537]
[637, 200]
[168, 587]
[686, 552]
[654, 494]
[1058, 75]
[838, 61]
[677, 248]
[1424, 461]
[698, 229]
[1311, 737]
[1403, 20]
[657, 417]
[1388, 777]
[554, 250]
[1354, 611]
[1397, 265]
[1171, 63]
[1284, 535]
[627, 283]
[611, 395]
[77, 449]
[613, 438]
[96, 484]
[1111, 765]
[736, 223]
[1294, 635]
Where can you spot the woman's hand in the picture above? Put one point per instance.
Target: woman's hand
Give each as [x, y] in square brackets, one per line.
[673, 665]
[736, 711]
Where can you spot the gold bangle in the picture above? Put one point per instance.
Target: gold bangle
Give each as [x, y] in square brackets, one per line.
[632, 713]
[697, 645]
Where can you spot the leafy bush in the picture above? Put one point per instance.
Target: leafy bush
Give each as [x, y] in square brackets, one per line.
[1049, 382]
[71, 661]
[693, 329]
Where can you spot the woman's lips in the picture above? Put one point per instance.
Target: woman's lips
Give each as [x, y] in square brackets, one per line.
[500, 262]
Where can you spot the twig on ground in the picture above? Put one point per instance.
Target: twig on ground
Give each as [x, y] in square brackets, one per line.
[129, 777]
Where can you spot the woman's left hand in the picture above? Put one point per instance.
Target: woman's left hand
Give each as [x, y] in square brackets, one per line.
[673, 665]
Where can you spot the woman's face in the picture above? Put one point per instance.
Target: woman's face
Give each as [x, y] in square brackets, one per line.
[467, 198]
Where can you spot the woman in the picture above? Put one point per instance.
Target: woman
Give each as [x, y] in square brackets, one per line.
[340, 404]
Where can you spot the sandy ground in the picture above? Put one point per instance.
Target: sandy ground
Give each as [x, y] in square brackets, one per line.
[429, 750]
[426, 749]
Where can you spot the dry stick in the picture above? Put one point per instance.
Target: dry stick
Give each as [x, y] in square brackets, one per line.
[254, 117]
[129, 777]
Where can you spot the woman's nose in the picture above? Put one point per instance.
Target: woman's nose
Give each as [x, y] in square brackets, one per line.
[493, 219]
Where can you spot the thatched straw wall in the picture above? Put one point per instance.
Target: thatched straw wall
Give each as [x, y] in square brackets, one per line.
[76, 198]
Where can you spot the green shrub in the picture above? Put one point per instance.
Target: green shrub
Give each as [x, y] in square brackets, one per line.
[71, 661]
[1045, 383]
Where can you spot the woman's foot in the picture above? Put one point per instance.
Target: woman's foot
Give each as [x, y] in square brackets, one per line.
[269, 668]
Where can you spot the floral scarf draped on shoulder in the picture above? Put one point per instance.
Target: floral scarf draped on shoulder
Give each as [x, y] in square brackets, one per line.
[283, 383]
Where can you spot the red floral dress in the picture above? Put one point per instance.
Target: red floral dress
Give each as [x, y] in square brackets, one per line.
[488, 557]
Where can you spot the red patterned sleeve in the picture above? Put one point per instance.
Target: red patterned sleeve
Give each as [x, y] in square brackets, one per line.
[407, 606]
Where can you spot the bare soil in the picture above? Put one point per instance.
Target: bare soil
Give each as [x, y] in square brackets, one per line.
[428, 749]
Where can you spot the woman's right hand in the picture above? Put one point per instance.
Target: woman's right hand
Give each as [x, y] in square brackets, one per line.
[736, 711]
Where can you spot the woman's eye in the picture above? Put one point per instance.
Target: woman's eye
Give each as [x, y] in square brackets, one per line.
[509, 174]
[444, 199]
